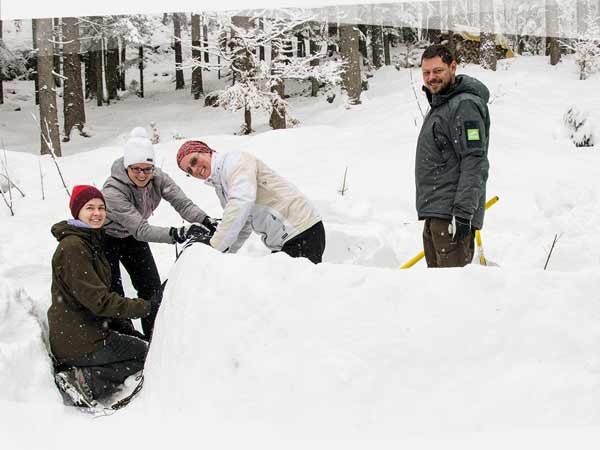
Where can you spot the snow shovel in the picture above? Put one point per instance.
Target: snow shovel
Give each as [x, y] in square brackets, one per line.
[491, 202]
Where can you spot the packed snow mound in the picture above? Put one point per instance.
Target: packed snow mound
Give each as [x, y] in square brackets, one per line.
[25, 367]
[280, 342]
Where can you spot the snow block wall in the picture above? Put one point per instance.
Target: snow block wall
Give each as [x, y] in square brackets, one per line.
[25, 367]
[278, 342]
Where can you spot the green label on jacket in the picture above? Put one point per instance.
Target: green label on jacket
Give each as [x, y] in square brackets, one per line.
[473, 134]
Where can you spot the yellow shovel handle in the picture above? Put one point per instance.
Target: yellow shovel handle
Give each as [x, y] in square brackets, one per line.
[491, 202]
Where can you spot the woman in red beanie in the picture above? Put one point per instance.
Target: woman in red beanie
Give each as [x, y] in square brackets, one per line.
[92, 355]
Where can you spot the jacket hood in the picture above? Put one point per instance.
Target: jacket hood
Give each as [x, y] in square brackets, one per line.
[118, 172]
[463, 84]
[63, 229]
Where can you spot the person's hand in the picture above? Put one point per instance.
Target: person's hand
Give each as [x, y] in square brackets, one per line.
[199, 233]
[178, 234]
[211, 224]
[460, 228]
[182, 234]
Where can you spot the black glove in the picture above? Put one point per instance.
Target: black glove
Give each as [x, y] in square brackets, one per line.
[182, 234]
[178, 234]
[192, 233]
[460, 228]
[211, 224]
[199, 233]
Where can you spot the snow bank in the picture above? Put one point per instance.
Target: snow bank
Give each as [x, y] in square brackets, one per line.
[25, 367]
[279, 342]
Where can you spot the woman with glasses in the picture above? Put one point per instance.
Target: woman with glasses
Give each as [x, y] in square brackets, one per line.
[132, 192]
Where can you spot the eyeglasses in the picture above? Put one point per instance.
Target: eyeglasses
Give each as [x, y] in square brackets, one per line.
[138, 170]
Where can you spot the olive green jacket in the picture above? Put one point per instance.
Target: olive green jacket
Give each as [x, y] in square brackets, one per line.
[83, 308]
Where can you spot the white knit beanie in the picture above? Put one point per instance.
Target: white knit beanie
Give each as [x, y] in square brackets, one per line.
[138, 148]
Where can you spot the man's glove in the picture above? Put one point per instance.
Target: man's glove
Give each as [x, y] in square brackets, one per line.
[182, 234]
[211, 224]
[460, 228]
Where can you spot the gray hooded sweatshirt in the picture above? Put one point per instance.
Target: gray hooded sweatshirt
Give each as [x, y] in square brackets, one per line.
[128, 207]
[451, 167]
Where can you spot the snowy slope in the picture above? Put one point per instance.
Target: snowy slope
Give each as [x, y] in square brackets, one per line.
[340, 347]
[353, 348]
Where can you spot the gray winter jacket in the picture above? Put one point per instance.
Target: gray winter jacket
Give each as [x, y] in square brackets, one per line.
[451, 167]
[128, 207]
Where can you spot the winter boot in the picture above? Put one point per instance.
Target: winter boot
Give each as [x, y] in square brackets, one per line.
[73, 383]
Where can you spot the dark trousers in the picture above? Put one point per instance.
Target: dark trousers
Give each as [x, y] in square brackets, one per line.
[107, 368]
[137, 259]
[308, 244]
[441, 250]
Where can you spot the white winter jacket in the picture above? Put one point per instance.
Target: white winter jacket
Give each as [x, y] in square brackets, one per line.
[254, 197]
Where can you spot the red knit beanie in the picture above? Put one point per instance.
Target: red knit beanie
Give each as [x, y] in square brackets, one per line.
[192, 147]
[81, 195]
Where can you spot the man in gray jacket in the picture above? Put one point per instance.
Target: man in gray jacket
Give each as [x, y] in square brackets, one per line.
[132, 193]
[451, 167]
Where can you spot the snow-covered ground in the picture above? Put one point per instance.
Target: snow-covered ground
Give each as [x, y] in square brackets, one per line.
[263, 349]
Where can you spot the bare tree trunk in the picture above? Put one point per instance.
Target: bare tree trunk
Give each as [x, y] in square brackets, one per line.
[48, 116]
[362, 44]
[387, 38]
[98, 69]
[205, 39]
[141, 67]
[179, 82]
[73, 105]
[314, 49]
[377, 45]
[248, 120]
[450, 21]
[261, 48]
[351, 78]
[487, 47]
[301, 46]
[277, 120]
[36, 80]
[243, 65]
[552, 31]
[122, 60]
[57, 51]
[222, 43]
[197, 88]
[332, 31]
[435, 23]
[112, 67]
[90, 74]
[1, 79]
